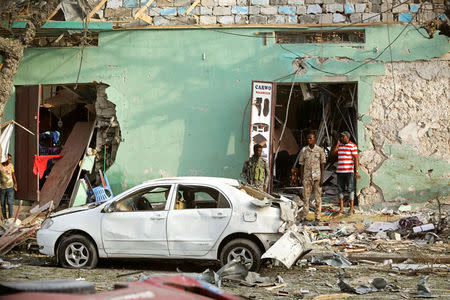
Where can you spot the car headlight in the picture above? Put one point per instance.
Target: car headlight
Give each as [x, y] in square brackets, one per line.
[47, 223]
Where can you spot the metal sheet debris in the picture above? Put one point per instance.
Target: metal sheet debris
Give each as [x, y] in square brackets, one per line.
[362, 289]
[382, 226]
[423, 291]
[425, 227]
[289, 248]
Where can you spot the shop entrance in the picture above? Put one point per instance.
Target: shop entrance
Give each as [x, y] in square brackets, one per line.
[323, 108]
[298, 109]
[70, 122]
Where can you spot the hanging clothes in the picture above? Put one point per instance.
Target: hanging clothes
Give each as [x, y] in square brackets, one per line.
[40, 163]
[5, 140]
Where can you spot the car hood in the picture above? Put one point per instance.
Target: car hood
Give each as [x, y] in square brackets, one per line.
[75, 209]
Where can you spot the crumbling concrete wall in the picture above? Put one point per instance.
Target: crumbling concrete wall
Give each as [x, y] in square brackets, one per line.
[409, 152]
[212, 12]
[108, 131]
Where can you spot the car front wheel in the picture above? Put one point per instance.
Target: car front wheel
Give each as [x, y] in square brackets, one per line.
[247, 250]
[76, 252]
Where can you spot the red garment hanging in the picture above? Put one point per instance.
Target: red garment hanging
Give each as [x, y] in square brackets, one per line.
[40, 163]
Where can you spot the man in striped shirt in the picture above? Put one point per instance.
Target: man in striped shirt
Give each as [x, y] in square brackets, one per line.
[347, 168]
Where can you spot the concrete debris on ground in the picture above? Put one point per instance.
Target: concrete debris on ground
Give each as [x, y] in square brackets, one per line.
[388, 244]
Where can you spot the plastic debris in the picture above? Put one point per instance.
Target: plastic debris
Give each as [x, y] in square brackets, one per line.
[426, 227]
[8, 265]
[360, 290]
[379, 283]
[431, 237]
[404, 207]
[409, 222]
[383, 226]
[423, 291]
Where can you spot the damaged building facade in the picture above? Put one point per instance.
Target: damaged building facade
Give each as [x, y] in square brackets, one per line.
[173, 84]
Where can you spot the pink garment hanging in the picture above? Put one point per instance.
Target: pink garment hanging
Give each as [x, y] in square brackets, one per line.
[40, 163]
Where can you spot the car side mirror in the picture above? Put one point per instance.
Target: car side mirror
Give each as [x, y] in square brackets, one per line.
[110, 207]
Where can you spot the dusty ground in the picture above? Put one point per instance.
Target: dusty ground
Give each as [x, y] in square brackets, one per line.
[319, 280]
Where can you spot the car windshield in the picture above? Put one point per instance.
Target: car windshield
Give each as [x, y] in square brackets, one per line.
[255, 193]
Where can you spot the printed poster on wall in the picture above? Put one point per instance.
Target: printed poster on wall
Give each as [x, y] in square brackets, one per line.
[261, 116]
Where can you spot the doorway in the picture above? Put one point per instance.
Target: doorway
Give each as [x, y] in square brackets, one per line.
[70, 121]
[325, 109]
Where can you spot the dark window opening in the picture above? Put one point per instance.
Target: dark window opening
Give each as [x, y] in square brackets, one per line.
[76, 121]
[324, 109]
[189, 197]
[64, 39]
[311, 37]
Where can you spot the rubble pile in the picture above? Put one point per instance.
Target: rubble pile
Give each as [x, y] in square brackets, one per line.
[15, 232]
[406, 242]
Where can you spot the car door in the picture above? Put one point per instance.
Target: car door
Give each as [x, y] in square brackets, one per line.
[196, 220]
[137, 224]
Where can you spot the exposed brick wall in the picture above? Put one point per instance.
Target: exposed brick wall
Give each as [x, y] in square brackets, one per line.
[211, 12]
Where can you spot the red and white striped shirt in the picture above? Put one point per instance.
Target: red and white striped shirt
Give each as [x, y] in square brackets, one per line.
[346, 153]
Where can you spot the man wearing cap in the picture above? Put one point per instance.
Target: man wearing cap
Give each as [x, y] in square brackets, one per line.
[256, 170]
[347, 153]
[312, 161]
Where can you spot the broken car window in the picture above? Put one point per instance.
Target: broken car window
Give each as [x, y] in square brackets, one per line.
[153, 198]
[200, 197]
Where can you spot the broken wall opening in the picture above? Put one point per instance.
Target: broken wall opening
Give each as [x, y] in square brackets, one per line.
[325, 109]
[77, 124]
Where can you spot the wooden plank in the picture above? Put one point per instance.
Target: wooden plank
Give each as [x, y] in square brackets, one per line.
[146, 18]
[54, 12]
[27, 103]
[62, 172]
[192, 6]
[143, 9]
[96, 9]
[68, 25]
[331, 296]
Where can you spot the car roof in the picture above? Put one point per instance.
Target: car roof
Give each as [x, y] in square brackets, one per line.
[195, 179]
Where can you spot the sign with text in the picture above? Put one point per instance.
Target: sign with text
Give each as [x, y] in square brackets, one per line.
[261, 117]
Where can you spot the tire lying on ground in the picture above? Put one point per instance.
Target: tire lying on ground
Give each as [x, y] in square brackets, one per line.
[69, 286]
[246, 249]
[76, 252]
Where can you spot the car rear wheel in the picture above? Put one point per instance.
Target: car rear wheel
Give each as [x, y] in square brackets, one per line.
[76, 252]
[249, 252]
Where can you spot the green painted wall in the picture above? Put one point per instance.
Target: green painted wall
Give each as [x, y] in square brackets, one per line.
[182, 115]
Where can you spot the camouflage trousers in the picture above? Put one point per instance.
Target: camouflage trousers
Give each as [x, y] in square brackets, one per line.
[259, 185]
[310, 186]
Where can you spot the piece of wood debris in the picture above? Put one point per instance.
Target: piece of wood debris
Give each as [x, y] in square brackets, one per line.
[355, 250]
[54, 12]
[196, 2]
[96, 9]
[332, 296]
[276, 286]
[146, 18]
[143, 9]
[370, 262]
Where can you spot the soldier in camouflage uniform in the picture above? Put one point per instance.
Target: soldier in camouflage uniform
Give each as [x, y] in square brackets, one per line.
[256, 170]
[312, 161]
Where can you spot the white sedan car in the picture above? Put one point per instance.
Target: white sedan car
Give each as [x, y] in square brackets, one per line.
[203, 218]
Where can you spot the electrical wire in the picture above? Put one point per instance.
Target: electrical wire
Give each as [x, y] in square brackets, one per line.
[366, 62]
[285, 123]
[83, 45]
[392, 62]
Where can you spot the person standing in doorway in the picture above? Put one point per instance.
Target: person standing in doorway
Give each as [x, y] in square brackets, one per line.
[8, 184]
[256, 170]
[312, 162]
[347, 169]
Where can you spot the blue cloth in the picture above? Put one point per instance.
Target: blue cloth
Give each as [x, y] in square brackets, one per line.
[345, 182]
[7, 197]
